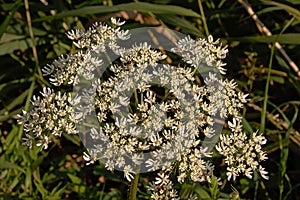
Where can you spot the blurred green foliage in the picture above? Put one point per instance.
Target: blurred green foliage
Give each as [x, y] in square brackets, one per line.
[32, 34]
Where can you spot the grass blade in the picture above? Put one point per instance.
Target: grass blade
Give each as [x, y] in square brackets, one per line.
[287, 38]
[181, 23]
[284, 153]
[6, 22]
[138, 6]
[293, 11]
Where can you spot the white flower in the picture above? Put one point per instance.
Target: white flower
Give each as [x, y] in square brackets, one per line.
[235, 126]
[43, 142]
[248, 173]
[90, 159]
[162, 179]
[117, 22]
[128, 172]
[28, 140]
[152, 165]
[263, 173]
[181, 178]
[231, 172]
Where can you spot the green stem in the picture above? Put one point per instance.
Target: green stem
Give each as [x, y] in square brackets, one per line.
[284, 153]
[31, 34]
[136, 97]
[264, 109]
[283, 146]
[256, 185]
[133, 187]
[203, 18]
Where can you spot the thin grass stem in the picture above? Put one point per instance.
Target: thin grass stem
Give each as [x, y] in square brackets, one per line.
[203, 18]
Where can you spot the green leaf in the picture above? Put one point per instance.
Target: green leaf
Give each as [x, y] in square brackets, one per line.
[282, 62]
[267, 10]
[287, 68]
[41, 189]
[158, 9]
[284, 152]
[8, 165]
[37, 162]
[10, 115]
[9, 47]
[75, 179]
[113, 195]
[138, 6]
[214, 190]
[180, 22]
[202, 193]
[12, 140]
[15, 182]
[28, 179]
[278, 79]
[186, 190]
[288, 38]
[8, 37]
[57, 192]
[295, 2]
[72, 138]
[17, 101]
[6, 22]
[293, 11]
[79, 186]
[246, 185]
[247, 126]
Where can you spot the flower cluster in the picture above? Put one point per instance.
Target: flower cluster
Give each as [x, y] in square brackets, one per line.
[193, 166]
[100, 35]
[155, 125]
[162, 188]
[67, 69]
[143, 116]
[242, 153]
[141, 55]
[50, 116]
[201, 52]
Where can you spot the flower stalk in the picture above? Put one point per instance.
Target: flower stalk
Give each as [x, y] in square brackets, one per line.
[133, 187]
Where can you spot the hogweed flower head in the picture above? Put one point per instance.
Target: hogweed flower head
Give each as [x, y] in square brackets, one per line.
[145, 113]
[66, 69]
[99, 36]
[51, 115]
[243, 153]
